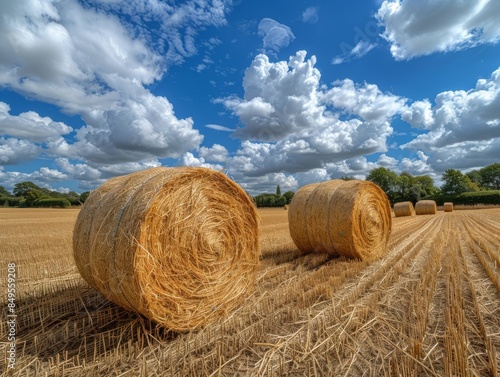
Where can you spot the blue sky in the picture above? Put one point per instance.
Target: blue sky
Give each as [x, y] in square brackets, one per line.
[281, 92]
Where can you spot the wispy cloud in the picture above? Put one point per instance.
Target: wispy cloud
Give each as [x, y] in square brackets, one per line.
[361, 49]
[220, 128]
[274, 35]
[310, 15]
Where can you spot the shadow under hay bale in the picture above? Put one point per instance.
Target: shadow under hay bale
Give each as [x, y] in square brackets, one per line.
[178, 245]
[348, 218]
[426, 207]
[404, 209]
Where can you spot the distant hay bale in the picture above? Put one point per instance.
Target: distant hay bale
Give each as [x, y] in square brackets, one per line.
[349, 218]
[285, 207]
[448, 207]
[426, 207]
[178, 245]
[404, 209]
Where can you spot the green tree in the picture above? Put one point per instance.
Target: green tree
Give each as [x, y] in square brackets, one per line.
[490, 176]
[456, 183]
[474, 176]
[269, 200]
[426, 185]
[406, 186]
[278, 190]
[4, 192]
[288, 196]
[84, 196]
[22, 188]
[32, 196]
[387, 180]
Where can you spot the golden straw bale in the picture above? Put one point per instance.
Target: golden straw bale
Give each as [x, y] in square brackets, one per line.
[404, 209]
[285, 207]
[349, 218]
[448, 207]
[426, 207]
[178, 245]
[297, 221]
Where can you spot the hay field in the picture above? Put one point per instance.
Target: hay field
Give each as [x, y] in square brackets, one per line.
[431, 307]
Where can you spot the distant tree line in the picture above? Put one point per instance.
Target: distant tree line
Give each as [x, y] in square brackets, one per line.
[273, 200]
[456, 186]
[28, 194]
[476, 186]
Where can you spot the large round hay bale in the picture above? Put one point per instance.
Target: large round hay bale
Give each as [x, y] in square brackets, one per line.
[448, 207]
[178, 245]
[426, 207]
[349, 218]
[404, 209]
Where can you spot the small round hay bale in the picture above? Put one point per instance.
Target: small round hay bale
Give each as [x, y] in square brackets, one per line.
[178, 245]
[285, 207]
[448, 207]
[426, 207]
[349, 218]
[404, 209]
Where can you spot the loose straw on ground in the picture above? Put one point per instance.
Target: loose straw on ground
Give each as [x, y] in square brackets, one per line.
[178, 245]
[349, 218]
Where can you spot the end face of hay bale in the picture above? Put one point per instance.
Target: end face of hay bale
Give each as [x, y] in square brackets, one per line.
[404, 209]
[426, 207]
[448, 207]
[297, 221]
[349, 218]
[178, 245]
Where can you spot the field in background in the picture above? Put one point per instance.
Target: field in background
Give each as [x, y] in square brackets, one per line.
[431, 307]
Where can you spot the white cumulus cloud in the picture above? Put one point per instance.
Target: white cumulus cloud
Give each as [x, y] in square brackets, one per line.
[30, 126]
[463, 127]
[293, 124]
[14, 151]
[95, 61]
[422, 27]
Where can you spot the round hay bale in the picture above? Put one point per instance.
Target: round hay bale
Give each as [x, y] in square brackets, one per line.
[448, 207]
[404, 209]
[178, 245]
[426, 207]
[297, 221]
[285, 207]
[349, 218]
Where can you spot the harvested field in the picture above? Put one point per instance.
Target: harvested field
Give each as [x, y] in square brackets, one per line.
[430, 307]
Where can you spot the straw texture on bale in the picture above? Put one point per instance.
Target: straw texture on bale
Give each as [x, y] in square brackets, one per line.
[348, 218]
[404, 209]
[178, 245]
[448, 207]
[426, 207]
